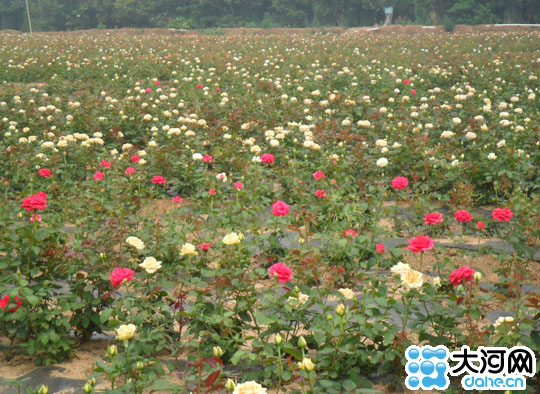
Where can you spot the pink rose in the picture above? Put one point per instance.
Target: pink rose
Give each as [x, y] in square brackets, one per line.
[36, 217]
[462, 273]
[350, 233]
[406, 81]
[267, 158]
[279, 208]
[318, 175]
[433, 218]
[420, 243]
[45, 172]
[129, 170]
[135, 159]
[463, 216]
[238, 185]
[119, 275]
[207, 158]
[380, 248]
[480, 226]
[99, 176]
[502, 215]
[158, 180]
[321, 193]
[148, 90]
[212, 192]
[35, 202]
[283, 272]
[400, 182]
[105, 163]
[177, 199]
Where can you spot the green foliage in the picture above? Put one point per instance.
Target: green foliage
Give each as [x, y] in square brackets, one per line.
[52, 15]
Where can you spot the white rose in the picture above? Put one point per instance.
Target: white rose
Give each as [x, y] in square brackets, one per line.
[382, 162]
[150, 264]
[135, 242]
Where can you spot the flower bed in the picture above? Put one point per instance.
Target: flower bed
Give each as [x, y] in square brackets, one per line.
[218, 204]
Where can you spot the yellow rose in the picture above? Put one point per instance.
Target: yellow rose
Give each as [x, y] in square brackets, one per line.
[412, 279]
[306, 364]
[340, 309]
[400, 269]
[135, 242]
[125, 331]
[188, 250]
[231, 239]
[250, 387]
[150, 264]
[347, 293]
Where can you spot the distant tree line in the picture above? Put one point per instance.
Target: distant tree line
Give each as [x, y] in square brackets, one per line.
[54, 15]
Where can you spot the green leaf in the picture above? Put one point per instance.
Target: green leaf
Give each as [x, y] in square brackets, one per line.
[32, 300]
[293, 352]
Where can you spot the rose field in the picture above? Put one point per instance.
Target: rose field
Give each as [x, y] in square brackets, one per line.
[264, 213]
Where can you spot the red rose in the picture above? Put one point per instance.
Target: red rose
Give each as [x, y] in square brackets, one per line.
[406, 82]
[99, 176]
[129, 170]
[463, 216]
[284, 273]
[462, 273]
[4, 302]
[433, 218]
[420, 243]
[45, 172]
[350, 233]
[380, 248]
[480, 226]
[207, 158]
[502, 215]
[212, 192]
[321, 193]
[105, 163]
[400, 182]
[158, 180]
[119, 275]
[199, 86]
[177, 199]
[267, 158]
[35, 202]
[135, 159]
[279, 208]
[205, 247]
[318, 175]
[238, 185]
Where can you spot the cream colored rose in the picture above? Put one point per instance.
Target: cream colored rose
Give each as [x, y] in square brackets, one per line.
[347, 293]
[299, 300]
[188, 250]
[412, 279]
[125, 331]
[231, 239]
[400, 269]
[306, 364]
[250, 387]
[135, 242]
[150, 264]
